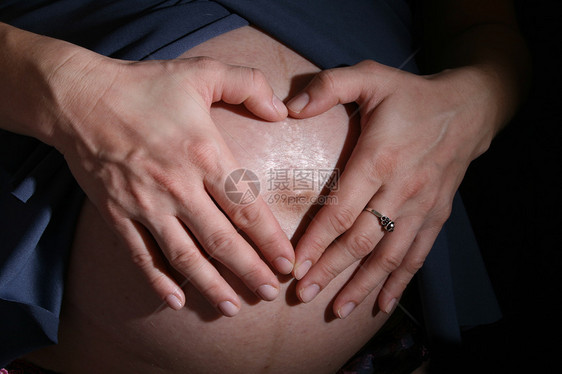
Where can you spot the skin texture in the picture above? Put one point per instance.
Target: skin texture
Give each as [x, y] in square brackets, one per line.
[418, 135]
[113, 321]
[82, 105]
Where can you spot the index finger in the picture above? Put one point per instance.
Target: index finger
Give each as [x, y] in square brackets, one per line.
[357, 186]
[238, 196]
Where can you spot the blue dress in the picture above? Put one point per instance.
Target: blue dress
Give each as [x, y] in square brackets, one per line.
[40, 200]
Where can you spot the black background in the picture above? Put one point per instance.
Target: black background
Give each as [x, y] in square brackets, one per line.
[513, 197]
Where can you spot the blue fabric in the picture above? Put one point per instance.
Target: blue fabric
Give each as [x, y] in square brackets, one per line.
[456, 292]
[38, 208]
[131, 30]
[335, 33]
[40, 201]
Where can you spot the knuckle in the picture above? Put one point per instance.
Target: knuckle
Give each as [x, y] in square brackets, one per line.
[168, 182]
[398, 284]
[328, 271]
[431, 210]
[363, 287]
[220, 243]
[142, 260]
[414, 186]
[253, 275]
[158, 281]
[143, 203]
[270, 245]
[316, 248]
[206, 63]
[113, 213]
[390, 262]
[204, 154]
[434, 223]
[382, 165]
[246, 216]
[428, 202]
[205, 73]
[368, 64]
[412, 266]
[212, 290]
[185, 260]
[342, 219]
[360, 246]
[378, 167]
[272, 241]
[257, 77]
[445, 213]
[327, 79]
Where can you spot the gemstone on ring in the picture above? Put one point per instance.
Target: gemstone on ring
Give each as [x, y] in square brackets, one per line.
[385, 222]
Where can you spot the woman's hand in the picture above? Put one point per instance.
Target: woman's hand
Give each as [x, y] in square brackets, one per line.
[139, 139]
[418, 136]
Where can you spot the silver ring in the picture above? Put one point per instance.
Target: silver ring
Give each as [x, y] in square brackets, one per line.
[386, 222]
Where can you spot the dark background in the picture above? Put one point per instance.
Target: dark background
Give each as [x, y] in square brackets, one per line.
[513, 197]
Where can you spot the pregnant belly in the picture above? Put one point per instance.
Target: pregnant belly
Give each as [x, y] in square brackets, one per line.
[292, 159]
[112, 321]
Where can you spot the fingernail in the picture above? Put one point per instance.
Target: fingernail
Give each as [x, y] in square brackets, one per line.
[174, 302]
[279, 106]
[267, 292]
[283, 265]
[228, 309]
[298, 103]
[345, 310]
[302, 269]
[309, 293]
[390, 306]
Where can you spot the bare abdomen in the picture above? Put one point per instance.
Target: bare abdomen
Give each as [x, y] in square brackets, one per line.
[111, 319]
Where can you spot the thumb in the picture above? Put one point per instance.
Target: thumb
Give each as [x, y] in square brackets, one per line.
[330, 87]
[249, 86]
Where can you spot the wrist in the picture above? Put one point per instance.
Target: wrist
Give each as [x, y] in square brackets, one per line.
[76, 82]
[477, 99]
[41, 77]
[497, 58]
